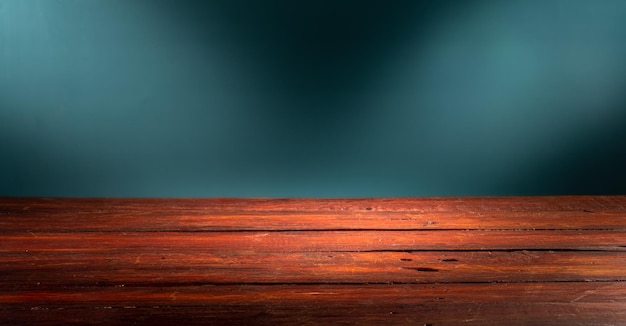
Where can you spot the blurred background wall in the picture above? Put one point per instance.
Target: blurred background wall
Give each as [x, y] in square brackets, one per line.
[312, 98]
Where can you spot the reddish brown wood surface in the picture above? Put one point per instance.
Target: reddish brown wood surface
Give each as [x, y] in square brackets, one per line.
[426, 261]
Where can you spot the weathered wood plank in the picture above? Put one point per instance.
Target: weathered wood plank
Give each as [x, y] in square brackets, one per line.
[315, 241]
[265, 313]
[438, 304]
[571, 292]
[141, 266]
[93, 214]
[423, 204]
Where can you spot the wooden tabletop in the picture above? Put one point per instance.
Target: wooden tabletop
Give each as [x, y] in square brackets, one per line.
[417, 261]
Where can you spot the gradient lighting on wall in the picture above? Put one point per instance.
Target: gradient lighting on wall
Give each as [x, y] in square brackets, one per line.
[312, 98]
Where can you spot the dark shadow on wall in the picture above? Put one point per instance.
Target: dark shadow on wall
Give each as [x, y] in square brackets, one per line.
[594, 164]
[313, 54]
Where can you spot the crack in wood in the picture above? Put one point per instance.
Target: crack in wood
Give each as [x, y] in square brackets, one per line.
[422, 269]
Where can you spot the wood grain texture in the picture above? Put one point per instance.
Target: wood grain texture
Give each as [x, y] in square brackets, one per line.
[436, 304]
[413, 261]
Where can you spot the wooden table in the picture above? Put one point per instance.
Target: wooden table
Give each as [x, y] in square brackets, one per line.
[426, 261]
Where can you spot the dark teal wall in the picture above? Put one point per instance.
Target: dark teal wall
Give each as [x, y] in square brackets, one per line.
[312, 98]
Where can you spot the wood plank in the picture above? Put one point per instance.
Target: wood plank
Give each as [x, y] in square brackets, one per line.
[497, 314]
[139, 266]
[586, 303]
[315, 241]
[495, 213]
[421, 204]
